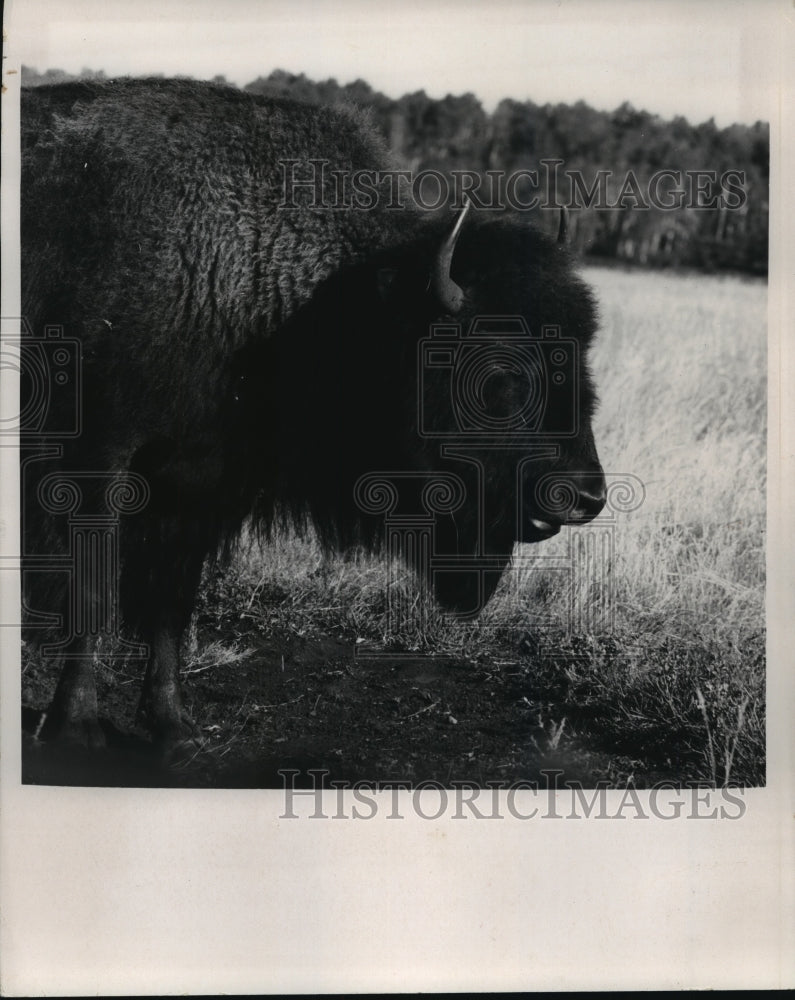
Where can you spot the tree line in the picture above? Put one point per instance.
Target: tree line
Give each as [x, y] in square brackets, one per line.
[640, 189]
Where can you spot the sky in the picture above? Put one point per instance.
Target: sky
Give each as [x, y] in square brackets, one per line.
[701, 59]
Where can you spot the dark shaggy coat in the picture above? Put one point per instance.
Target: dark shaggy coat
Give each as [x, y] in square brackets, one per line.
[248, 358]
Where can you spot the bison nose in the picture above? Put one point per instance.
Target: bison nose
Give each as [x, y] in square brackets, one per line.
[591, 497]
[563, 496]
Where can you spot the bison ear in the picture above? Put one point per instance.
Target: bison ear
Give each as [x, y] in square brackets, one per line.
[385, 282]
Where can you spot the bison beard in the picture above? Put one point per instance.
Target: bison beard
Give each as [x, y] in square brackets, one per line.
[247, 359]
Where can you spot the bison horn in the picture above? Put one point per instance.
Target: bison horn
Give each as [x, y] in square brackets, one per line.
[447, 292]
[563, 226]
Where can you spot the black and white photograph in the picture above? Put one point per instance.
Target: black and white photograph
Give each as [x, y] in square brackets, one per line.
[394, 421]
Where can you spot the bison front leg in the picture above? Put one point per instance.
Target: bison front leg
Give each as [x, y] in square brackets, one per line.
[160, 591]
[161, 708]
[72, 715]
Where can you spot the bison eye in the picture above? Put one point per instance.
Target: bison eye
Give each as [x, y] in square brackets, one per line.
[504, 391]
[498, 387]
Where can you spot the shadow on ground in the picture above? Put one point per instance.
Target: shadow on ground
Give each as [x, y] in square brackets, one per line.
[323, 704]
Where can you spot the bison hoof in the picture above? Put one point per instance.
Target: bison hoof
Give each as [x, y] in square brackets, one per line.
[84, 732]
[175, 735]
[179, 743]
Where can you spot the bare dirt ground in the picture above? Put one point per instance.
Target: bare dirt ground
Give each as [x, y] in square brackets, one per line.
[320, 702]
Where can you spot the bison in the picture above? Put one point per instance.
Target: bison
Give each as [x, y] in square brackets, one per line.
[241, 351]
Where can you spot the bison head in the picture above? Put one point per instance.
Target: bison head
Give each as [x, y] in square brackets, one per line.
[460, 354]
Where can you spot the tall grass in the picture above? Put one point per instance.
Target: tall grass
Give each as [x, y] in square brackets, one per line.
[661, 652]
[681, 363]
[681, 366]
